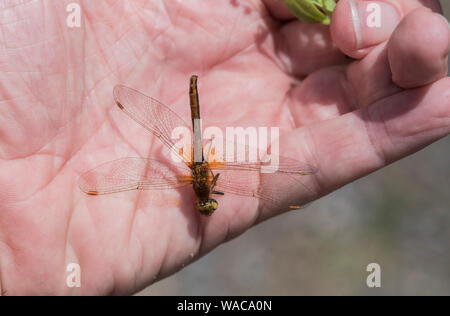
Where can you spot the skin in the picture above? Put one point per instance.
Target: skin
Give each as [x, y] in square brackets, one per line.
[256, 65]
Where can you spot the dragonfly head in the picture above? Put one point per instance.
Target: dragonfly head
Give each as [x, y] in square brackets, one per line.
[207, 207]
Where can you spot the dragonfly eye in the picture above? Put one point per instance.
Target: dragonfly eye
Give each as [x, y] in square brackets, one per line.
[207, 207]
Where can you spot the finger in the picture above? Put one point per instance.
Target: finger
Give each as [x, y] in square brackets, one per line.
[411, 63]
[332, 92]
[357, 26]
[418, 49]
[390, 67]
[349, 147]
[353, 145]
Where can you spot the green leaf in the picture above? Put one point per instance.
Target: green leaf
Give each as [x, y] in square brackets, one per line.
[328, 6]
[311, 11]
[318, 2]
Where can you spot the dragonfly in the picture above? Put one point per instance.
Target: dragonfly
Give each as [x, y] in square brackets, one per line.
[209, 174]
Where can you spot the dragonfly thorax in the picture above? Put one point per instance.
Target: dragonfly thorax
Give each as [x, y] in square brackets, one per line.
[201, 180]
[202, 185]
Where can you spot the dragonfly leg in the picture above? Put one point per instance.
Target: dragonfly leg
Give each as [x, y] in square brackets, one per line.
[214, 180]
[213, 184]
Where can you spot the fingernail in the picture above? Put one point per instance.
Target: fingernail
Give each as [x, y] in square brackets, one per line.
[373, 21]
[356, 23]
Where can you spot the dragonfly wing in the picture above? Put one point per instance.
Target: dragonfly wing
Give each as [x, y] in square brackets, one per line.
[133, 174]
[247, 184]
[225, 155]
[285, 165]
[276, 189]
[152, 115]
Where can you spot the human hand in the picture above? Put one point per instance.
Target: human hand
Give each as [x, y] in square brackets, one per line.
[59, 120]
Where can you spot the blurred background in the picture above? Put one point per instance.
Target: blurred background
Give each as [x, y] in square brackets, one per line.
[398, 217]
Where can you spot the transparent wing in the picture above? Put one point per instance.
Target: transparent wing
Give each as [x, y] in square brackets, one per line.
[134, 174]
[288, 166]
[153, 116]
[274, 188]
[279, 182]
[245, 158]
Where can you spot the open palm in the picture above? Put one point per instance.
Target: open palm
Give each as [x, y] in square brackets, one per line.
[347, 118]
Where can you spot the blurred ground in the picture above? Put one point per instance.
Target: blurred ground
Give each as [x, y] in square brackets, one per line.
[398, 217]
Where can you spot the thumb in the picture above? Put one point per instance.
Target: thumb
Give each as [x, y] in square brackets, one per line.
[357, 26]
